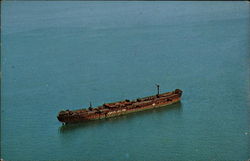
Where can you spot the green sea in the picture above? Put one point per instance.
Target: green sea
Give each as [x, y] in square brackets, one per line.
[58, 55]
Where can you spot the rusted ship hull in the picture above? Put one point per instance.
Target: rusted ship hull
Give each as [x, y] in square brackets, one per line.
[120, 108]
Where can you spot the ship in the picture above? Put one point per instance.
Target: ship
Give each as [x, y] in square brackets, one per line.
[119, 108]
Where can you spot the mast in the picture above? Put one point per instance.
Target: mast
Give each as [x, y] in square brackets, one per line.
[90, 106]
[158, 89]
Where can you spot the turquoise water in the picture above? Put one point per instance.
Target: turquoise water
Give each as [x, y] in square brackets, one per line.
[62, 55]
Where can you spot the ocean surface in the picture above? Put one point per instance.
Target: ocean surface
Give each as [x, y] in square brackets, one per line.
[62, 55]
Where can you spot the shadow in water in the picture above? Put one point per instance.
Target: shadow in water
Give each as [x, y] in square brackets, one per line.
[177, 108]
